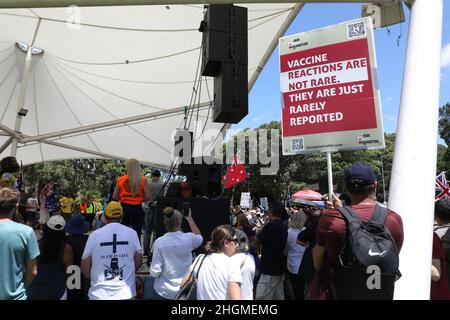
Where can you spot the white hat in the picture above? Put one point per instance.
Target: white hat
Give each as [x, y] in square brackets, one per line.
[56, 223]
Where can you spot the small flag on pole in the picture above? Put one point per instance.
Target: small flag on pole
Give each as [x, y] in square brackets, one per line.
[235, 173]
[442, 187]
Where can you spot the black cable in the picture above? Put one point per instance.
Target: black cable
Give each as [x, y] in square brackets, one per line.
[198, 105]
[211, 101]
[192, 105]
[194, 91]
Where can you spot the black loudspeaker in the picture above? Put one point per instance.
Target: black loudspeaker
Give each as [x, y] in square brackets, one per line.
[230, 93]
[205, 179]
[173, 189]
[206, 213]
[224, 37]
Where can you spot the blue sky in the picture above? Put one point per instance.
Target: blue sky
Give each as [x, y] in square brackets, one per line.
[264, 99]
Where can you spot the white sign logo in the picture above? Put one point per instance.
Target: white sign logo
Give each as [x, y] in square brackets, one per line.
[374, 253]
[296, 44]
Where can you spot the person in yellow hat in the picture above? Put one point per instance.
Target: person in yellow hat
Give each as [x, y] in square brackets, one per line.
[111, 257]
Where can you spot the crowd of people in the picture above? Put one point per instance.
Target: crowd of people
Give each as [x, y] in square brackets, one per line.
[286, 252]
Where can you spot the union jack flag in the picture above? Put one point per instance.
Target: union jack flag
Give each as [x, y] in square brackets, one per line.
[442, 187]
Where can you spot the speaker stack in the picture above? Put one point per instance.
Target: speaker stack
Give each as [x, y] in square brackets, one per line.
[205, 179]
[207, 214]
[225, 57]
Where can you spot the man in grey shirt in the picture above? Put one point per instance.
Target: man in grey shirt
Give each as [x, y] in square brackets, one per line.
[150, 208]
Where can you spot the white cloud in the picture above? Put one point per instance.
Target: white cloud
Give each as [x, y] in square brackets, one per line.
[258, 118]
[390, 118]
[445, 56]
[389, 99]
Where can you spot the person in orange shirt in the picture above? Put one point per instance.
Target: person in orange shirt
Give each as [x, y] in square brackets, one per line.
[132, 190]
[83, 206]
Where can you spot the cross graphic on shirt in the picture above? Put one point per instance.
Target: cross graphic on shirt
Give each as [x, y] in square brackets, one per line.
[114, 243]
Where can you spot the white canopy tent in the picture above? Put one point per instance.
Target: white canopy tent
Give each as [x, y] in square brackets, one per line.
[116, 85]
[82, 87]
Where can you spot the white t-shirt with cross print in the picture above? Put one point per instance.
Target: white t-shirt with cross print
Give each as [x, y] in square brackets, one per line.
[112, 249]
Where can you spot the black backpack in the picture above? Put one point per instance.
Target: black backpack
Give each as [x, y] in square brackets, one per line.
[445, 241]
[367, 265]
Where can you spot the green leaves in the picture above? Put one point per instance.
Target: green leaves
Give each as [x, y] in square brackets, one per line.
[86, 176]
[298, 171]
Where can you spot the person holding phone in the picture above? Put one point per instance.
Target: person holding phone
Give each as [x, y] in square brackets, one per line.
[186, 208]
[172, 253]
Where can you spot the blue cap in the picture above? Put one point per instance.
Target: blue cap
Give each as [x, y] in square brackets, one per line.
[359, 174]
[77, 225]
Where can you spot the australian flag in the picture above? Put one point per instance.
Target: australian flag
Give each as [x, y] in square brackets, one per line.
[442, 187]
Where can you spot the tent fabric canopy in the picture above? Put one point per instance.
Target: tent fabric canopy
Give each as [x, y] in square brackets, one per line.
[307, 194]
[120, 62]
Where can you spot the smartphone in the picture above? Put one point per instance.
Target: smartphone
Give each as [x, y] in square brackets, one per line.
[186, 207]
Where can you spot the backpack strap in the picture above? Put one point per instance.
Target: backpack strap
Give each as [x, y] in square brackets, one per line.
[379, 215]
[348, 214]
[243, 261]
[198, 270]
[191, 275]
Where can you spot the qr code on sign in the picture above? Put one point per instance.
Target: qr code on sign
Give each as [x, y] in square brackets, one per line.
[297, 144]
[356, 30]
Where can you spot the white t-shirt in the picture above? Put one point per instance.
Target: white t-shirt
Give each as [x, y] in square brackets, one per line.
[172, 256]
[216, 272]
[112, 249]
[294, 251]
[32, 204]
[247, 272]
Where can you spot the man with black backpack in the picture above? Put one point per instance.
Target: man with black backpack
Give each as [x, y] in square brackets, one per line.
[442, 229]
[357, 246]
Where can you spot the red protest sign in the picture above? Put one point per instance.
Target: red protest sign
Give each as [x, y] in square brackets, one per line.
[333, 95]
[327, 87]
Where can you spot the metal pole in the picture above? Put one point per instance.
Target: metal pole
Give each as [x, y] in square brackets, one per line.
[414, 165]
[21, 103]
[330, 176]
[6, 144]
[382, 178]
[106, 124]
[23, 91]
[99, 154]
[274, 43]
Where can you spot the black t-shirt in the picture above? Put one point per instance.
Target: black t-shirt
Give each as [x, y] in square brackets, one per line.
[273, 238]
[306, 270]
[77, 242]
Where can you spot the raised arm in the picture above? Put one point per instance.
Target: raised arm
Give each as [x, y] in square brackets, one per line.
[115, 195]
[192, 223]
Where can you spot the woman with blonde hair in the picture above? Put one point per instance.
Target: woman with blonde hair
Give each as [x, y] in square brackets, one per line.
[132, 190]
[172, 253]
[294, 252]
[218, 277]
